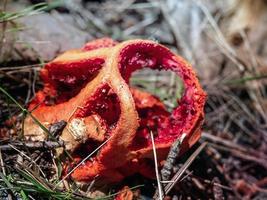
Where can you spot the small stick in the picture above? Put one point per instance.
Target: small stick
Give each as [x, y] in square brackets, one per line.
[32, 145]
[180, 172]
[156, 167]
[168, 165]
[217, 191]
[173, 153]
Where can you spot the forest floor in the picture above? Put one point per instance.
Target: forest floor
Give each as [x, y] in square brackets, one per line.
[227, 46]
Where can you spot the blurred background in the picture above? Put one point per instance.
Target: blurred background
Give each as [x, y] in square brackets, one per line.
[224, 40]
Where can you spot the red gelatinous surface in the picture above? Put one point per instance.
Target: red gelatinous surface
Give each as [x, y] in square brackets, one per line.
[94, 81]
[152, 114]
[138, 56]
[67, 78]
[64, 80]
[104, 103]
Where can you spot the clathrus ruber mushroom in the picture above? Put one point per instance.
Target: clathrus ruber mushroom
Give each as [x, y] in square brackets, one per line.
[89, 89]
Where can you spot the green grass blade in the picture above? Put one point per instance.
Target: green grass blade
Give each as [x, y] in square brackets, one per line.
[245, 79]
[23, 195]
[31, 10]
[25, 110]
[7, 182]
[34, 118]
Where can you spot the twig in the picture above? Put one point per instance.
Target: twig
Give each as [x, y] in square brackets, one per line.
[156, 166]
[180, 172]
[173, 153]
[30, 159]
[245, 156]
[25, 67]
[217, 191]
[32, 145]
[231, 146]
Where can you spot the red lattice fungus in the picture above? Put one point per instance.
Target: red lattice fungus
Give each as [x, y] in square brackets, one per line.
[88, 88]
